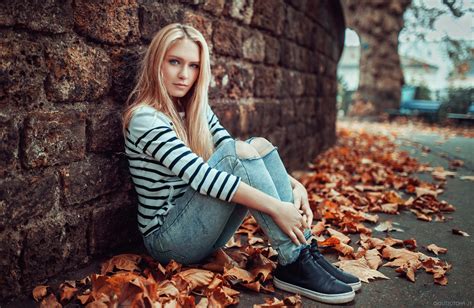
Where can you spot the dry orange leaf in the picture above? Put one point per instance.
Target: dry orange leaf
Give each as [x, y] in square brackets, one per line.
[436, 249]
[361, 269]
[291, 301]
[196, 277]
[39, 292]
[126, 262]
[459, 232]
[341, 236]
[50, 302]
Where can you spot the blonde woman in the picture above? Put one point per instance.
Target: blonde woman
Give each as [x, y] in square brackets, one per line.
[195, 183]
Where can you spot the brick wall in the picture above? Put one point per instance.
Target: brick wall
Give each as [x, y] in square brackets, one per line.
[66, 69]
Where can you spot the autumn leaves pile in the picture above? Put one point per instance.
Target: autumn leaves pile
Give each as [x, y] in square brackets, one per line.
[351, 183]
[347, 185]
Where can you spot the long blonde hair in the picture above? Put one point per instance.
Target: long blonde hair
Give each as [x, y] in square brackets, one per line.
[150, 89]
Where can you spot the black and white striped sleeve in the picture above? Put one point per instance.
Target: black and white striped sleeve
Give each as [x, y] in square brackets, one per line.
[219, 133]
[153, 135]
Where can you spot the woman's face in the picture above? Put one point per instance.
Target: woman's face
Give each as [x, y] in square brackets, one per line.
[180, 67]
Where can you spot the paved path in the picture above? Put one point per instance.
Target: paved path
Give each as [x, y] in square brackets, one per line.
[399, 292]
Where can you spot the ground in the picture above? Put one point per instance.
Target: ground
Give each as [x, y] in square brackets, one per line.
[438, 148]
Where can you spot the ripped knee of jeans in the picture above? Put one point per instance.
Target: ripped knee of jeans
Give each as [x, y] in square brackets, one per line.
[262, 145]
[245, 150]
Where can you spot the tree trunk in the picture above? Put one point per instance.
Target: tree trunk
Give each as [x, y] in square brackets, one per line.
[378, 23]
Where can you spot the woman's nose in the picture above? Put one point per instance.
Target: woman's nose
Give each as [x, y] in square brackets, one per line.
[183, 73]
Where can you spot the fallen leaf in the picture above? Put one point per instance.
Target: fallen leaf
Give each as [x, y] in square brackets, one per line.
[290, 301]
[436, 249]
[360, 269]
[409, 269]
[387, 226]
[50, 302]
[39, 292]
[420, 191]
[459, 232]
[341, 236]
[126, 262]
[196, 277]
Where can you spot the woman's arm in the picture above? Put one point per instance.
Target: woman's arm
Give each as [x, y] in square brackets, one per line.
[285, 215]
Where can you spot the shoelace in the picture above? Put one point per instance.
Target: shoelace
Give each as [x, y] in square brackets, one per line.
[314, 248]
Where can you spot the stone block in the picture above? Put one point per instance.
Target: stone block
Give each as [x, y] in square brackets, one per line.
[269, 15]
[76, 228]
[27, 198]
[241, 10]
[111, 22]
[77, 72]
[228, 113]
[253, 46]
[310, 85]
[22, 69]
[294, 24]
[104, 129]
[299, 4]
[215, 7]
[268, 81]
[289, 54]
[270, 115]
[248, 118]
[52, 138]
[231, 79]
[312, 9]
[227, 38]
[124, 65]
[293, 83]
[288, 113]
[272, 50]
[10, 272]
[90, 178]
[202, 24]
[154, 16]
[113, 223]
[9, 137]
[53, 16]
[44, 250]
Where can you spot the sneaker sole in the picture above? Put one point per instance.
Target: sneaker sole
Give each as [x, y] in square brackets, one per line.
[322, 297]
[355, 286]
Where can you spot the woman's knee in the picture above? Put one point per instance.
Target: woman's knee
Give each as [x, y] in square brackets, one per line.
[245, 150]
[262, 145]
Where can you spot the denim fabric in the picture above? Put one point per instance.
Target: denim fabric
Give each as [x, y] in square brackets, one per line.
[198, 225]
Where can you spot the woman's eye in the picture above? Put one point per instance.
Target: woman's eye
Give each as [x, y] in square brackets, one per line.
[174, 61]
[195, 66]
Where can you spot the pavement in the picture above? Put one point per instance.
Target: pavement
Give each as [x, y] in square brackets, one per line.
[398, 291]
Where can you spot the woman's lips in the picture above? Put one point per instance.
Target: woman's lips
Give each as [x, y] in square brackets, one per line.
[181, 86]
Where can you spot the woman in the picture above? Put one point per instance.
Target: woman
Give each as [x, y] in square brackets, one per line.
[195, 184]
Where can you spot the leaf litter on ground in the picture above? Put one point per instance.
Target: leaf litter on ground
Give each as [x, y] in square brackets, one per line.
[347, 186]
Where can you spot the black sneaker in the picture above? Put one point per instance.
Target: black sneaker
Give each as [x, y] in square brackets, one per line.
[347, 278]
[308, 278]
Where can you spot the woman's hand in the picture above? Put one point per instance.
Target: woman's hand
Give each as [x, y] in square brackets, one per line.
[300, 199]
[290, 221]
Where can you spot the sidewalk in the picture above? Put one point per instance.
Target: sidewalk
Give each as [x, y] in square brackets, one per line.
[398, 291]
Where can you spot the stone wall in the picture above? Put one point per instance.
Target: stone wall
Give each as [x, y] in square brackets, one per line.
[66, 69]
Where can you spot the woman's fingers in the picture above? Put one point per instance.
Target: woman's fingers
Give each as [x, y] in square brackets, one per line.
[305, 222]
[297, 202]
[300, 236]
[294, 238]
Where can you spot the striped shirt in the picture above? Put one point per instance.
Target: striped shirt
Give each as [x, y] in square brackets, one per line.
[163, 168]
